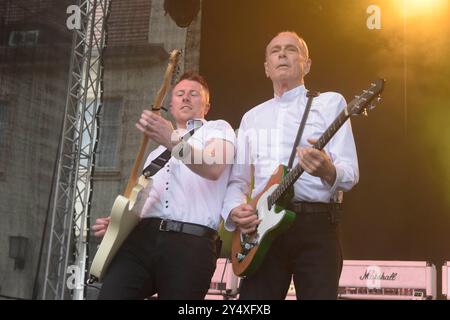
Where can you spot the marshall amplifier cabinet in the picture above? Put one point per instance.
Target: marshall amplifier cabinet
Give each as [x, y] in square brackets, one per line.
[387, 280]
[224, 283]
[446, 280]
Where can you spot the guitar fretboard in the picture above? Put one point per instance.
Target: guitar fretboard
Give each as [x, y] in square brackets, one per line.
[297, 171]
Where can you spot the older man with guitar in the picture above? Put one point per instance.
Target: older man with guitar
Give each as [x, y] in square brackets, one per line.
[290, 226]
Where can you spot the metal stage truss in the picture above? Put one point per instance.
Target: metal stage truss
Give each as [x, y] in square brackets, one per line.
[66, 265]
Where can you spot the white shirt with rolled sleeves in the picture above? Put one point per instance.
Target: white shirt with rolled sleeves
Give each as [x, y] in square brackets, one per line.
[265, 139]
[180, 194]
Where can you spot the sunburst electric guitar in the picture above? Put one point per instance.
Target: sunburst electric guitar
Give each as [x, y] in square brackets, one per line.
[127, 207]
[248, 251]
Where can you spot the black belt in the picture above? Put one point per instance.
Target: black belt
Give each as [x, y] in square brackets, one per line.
[184, 227]
[313, 207]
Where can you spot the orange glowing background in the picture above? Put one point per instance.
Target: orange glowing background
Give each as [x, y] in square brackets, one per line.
[400, 209]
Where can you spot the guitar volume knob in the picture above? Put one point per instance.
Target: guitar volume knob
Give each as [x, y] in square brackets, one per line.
[240, 257]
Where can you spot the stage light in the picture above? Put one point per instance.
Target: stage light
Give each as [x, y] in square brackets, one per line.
[183, 12]
[416, 8]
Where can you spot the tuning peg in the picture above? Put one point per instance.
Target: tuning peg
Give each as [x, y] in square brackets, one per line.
[379, 99]
[364, 112]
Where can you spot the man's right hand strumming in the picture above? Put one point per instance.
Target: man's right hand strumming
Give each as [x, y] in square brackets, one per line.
[245, 218]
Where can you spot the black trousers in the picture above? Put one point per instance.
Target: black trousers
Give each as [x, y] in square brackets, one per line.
[310, 251]
[175, 265]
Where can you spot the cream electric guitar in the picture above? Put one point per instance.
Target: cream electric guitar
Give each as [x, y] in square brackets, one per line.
[248, 251]
[127, 207]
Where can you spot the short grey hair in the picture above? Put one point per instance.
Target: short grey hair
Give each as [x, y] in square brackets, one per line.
[303, 45]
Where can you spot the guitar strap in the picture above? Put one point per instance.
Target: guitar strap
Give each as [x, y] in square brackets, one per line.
[160, 161]
[311, 95]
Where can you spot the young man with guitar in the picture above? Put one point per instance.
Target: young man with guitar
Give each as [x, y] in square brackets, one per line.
[307, 246]
[173, 249]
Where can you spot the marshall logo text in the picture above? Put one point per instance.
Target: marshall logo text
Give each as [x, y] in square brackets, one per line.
[373, 275]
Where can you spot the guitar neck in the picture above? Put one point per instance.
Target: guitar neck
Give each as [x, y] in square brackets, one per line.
[137, 166]
[132, 181]
[289, 180]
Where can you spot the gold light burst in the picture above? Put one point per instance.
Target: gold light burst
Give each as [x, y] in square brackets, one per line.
[423, 8]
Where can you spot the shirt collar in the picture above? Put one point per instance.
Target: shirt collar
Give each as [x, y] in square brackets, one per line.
[191, 124]
[290, 95]
[195, 123]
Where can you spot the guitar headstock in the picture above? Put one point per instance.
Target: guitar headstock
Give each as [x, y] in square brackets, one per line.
[174, 56]
[174, 68]
[168, 79]
[367, 100]
[176, 76]
[173, 59]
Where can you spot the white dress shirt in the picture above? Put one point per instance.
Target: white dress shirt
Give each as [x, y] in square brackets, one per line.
[266, 137]
[180, 194]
